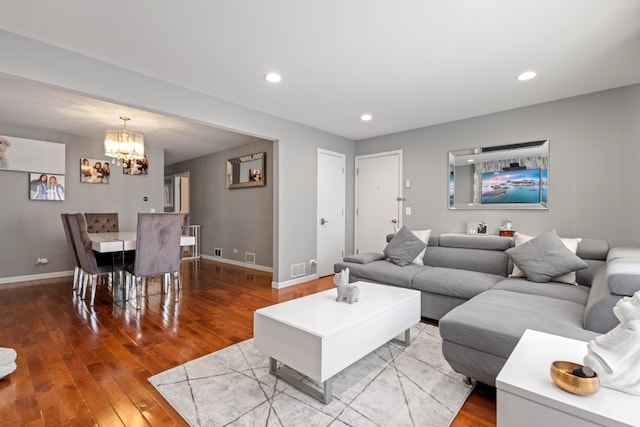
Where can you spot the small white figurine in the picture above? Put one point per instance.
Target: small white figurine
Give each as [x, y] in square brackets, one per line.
[346, 291]
[615, 355]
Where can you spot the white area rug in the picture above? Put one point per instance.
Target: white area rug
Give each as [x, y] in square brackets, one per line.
[392, 386]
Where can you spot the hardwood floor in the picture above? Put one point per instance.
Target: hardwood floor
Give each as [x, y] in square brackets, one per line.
[81, 366]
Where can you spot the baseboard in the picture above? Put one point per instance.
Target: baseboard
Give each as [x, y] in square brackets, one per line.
[238, 263]
[41, 276]
[296, 281]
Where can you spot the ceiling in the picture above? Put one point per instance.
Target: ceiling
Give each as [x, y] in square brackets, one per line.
[409, 64]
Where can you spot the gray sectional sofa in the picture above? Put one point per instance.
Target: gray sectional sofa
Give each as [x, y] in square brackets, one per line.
[482, 312]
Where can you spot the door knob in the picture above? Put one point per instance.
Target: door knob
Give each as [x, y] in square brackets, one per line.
[323, 221]
[394, 221]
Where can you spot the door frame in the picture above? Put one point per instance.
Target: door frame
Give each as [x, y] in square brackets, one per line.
[177, 191]
[344, 201]
[356, 185]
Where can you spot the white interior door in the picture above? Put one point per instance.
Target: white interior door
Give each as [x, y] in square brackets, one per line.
[331, 206]
[378, 195]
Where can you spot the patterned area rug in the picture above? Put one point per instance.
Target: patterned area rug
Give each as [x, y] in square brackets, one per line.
[392, 386]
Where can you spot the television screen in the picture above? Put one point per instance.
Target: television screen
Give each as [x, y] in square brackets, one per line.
[516, 186]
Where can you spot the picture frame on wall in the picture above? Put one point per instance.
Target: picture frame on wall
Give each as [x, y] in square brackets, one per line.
[136, 167]
[94, 171]
[43, 186]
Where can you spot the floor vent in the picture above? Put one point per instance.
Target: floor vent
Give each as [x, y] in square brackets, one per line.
[297, 270]
[249, 258]
[217, 252]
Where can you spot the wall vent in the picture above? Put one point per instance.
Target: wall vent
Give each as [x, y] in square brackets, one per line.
[297, 270]
[249, 258]
[217, 252]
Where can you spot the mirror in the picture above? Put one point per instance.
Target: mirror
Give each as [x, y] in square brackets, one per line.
[246, 171]
[514, 176]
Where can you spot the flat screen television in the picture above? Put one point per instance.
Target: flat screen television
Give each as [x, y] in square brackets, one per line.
[515, 186]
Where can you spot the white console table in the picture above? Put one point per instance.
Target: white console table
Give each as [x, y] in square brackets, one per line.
[526, 396]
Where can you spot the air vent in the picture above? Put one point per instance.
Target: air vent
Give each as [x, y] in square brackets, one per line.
[249, 258]
[217, 252]
[297, 270]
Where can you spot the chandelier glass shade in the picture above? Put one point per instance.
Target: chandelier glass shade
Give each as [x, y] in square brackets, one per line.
[123, 145]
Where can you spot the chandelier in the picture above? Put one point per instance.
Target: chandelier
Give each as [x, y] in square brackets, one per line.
[123, 145]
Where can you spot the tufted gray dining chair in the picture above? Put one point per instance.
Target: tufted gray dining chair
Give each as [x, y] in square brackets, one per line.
[157, 251]
[90, 266]
[77, 271]
[102, 222]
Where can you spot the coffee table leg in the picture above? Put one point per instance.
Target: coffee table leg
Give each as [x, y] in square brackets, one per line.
[407, 339]
[325, 396]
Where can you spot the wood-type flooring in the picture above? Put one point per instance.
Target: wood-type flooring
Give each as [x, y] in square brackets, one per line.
[81, 366]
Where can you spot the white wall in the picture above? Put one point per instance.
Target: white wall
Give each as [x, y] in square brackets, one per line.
[594, 166]
[295, 148]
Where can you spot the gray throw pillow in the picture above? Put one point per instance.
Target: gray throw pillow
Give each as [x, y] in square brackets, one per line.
[404, 247]
[545, 257]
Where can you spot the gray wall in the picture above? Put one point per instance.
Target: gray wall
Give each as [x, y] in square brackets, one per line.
[33, 229]
[295, 149]
[240, 218]
[594, 171]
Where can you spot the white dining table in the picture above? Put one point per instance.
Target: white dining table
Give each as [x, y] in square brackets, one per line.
[121, 241]
[124, 241]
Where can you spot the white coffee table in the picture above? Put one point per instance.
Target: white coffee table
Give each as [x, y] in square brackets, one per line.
[526, 396]
[319, 337]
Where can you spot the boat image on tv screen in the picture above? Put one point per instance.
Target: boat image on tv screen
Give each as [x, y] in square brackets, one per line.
[515, 186]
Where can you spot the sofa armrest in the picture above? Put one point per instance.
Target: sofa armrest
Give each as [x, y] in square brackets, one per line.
[598, 313]
[364, 258]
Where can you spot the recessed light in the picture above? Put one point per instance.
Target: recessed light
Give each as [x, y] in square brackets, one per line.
[273, 78]
[527, 75]
[366, 117]
[470, 160]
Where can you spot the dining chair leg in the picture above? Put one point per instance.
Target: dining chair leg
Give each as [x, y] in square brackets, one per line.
[84, 285]
[94, 285]
[165, 283]
[76, 277]
[177, 284]
[138, 293]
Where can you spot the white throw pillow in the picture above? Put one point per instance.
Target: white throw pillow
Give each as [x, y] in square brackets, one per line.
[424, 236]
[571, 244]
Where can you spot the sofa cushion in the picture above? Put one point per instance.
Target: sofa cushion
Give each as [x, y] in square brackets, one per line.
[595, 249]
[453, 282]
[404, 247]
[364, 258]
[563, 291]
[382, 272]
[546, 257]
[623, 276]
[482, 260]
[623, 252]
[494, 321]
[475, 241]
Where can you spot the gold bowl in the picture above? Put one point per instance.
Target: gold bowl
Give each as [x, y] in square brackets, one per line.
[561, 374]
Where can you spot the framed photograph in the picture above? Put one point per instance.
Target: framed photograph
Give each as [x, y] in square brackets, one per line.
[28, 155]
[94, 171]
[136, 167]
[168, 191]
[476, 227]
[44, 186]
